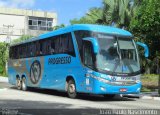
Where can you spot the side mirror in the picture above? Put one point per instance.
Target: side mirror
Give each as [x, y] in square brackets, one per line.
[94, 43]
[146, 50]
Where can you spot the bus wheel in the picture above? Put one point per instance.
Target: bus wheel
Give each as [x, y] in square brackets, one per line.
[109, 96]
[71, 89]
[24, 86]
[18, 83]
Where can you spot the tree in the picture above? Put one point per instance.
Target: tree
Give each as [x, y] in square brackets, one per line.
[58, 27]
[3, 58]
[93, 16]
[117, 12]
[22, 38]
[113, 12]
[146, 25]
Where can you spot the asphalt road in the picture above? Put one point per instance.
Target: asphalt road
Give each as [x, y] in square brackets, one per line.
[40, 101]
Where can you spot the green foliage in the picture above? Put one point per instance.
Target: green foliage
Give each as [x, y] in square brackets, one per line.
[145, 89]
[22, 38]
[3, 58]
[118, 12]
[146, 24]
[149, 82]
[58, 27]
[93, 16]
[4, 53]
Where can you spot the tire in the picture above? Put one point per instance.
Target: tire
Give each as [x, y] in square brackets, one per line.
[18, 83]
[71, 89]
[24, 85]
[109, 96]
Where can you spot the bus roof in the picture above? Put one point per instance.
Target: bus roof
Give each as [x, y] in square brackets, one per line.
[89, 27]
[76, 27]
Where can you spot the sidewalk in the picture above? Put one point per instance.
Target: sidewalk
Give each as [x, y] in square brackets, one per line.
[144, 95]
[3, 79]
[150, 95]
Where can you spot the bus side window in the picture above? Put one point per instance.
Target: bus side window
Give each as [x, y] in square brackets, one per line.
[10, 53]
[63, 43]
[32, 48]
[71, 50]
[17, 55]
[79, 35]
[23, 51]
[57, 44]
[44, 46]
[88, 54]
[37, 48]
[31, 52]
[17, 50]
[52, 46]
[28, 50]
[67, 44]
[40, 48]
[48, 46]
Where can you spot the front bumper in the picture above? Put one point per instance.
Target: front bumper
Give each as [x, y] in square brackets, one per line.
[104, 88]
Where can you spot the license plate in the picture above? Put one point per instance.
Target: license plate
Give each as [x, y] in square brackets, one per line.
[123, 90]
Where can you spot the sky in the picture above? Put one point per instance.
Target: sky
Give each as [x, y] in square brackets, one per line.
[65, 9]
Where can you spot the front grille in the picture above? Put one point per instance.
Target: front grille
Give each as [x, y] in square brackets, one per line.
[124, 83]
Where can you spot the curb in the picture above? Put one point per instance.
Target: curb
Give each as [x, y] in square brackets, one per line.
[3, 79]
[151, 98]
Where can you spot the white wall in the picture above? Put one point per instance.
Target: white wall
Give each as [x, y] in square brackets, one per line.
[20, 26]
[18, 23]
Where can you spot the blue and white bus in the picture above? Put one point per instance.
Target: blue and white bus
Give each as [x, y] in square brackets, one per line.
[76, 59]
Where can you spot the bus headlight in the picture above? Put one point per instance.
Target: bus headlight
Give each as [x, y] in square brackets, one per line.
[137, 79]
[100, 79]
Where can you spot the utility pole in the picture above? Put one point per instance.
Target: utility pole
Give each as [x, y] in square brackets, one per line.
[9, 33]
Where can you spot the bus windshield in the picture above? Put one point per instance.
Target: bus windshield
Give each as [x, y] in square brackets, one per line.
[117, 55]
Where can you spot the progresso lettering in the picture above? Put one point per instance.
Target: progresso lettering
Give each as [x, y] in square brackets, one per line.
[60, 60]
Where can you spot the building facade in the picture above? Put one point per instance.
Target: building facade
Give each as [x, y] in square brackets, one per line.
[17, 22]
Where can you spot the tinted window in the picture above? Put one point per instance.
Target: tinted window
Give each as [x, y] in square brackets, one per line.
[79, 35]
[52, 45]
[88, 54]
[66, 44]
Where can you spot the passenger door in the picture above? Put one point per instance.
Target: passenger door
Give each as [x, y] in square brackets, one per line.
[88, 61]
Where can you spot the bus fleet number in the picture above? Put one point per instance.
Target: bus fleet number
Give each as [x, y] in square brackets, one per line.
[60, 60]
